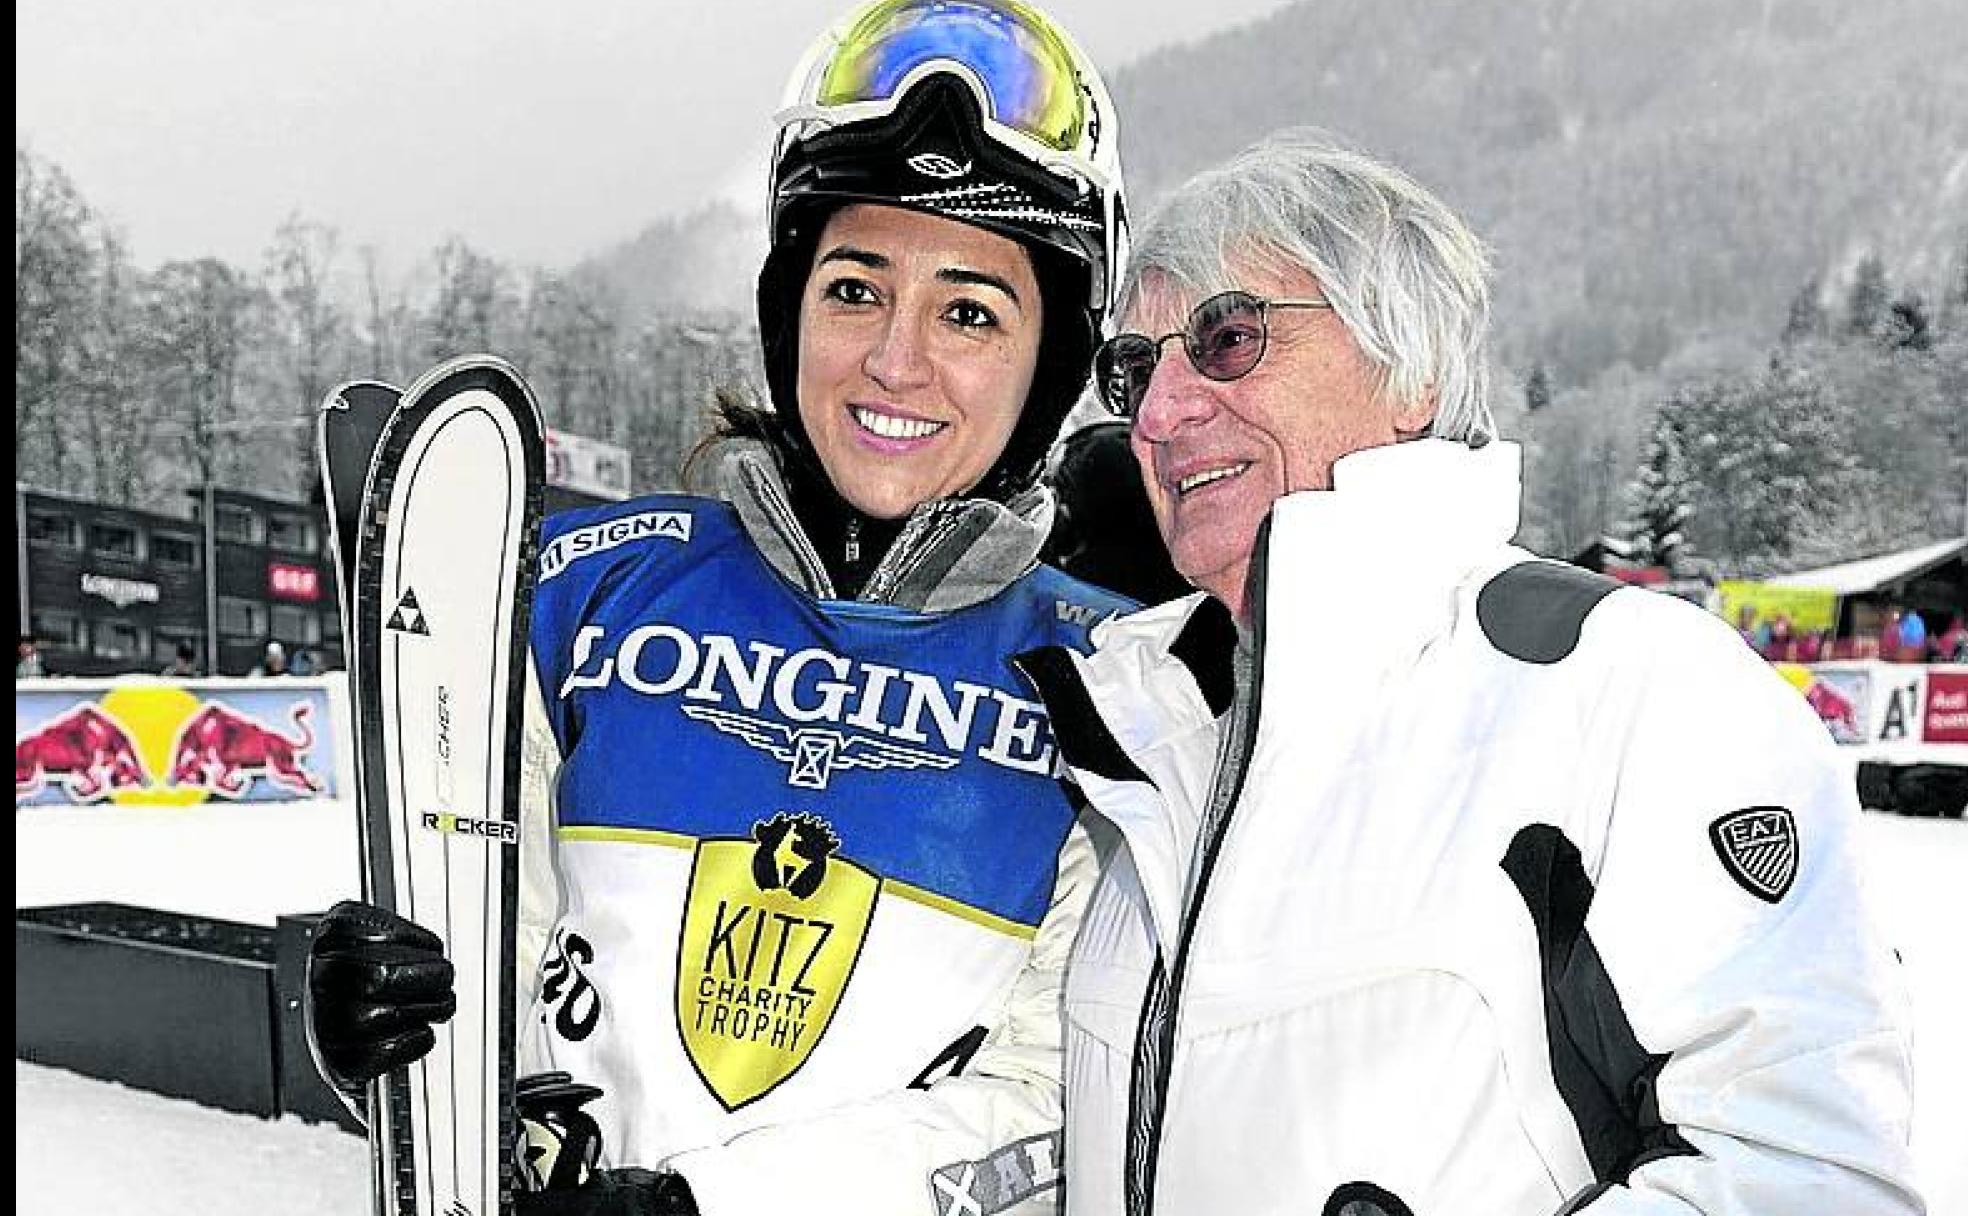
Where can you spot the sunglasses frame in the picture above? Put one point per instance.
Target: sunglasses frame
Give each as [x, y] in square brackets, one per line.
[1190, 345]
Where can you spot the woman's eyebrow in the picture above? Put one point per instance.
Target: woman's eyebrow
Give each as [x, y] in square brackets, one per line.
[977, 278]
[861, 257]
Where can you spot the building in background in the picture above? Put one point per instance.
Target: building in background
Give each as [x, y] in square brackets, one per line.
[109, 589]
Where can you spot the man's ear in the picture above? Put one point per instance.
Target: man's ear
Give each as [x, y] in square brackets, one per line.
[1413, 419]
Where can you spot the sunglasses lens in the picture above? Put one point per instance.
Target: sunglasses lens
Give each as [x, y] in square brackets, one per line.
[1122, 369]
[1226, 335]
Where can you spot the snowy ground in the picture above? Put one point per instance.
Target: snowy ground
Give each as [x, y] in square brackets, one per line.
[89, 1146]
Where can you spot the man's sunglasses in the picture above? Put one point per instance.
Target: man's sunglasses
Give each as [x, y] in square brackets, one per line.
[1225, 336]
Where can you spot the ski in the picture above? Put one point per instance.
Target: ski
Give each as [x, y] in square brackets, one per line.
[439, 553]
[348, 429]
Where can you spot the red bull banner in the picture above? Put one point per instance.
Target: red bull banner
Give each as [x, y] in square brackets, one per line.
[176, 743]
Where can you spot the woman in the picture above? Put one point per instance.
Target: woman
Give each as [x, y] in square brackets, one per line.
[811, 880]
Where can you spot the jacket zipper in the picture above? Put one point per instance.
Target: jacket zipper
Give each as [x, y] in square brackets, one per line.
[1227, 787]
[921, 537]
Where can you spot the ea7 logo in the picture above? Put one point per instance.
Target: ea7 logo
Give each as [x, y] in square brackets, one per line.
[937, 165]
[1758, 847]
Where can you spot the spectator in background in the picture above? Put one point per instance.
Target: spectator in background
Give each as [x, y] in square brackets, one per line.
[184, 665]
[27, 660]
[1913, 637]
[1952, 645]
[302, 663]
[1104, 531]
[1746, 626]
[1778, 649]
[1889, 638]
[1812, 645]
[275, 662]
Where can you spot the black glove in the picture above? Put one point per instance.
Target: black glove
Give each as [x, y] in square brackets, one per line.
[629, 1192]
[376, 983]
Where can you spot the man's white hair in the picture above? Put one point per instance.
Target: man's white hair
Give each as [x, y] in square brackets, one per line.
[1405, 275]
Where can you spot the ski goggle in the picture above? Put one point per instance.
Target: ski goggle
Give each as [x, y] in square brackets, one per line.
[1224, 337]
[1023, 69]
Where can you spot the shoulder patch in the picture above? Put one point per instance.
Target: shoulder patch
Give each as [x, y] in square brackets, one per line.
[1533, 611]
[1758, 847]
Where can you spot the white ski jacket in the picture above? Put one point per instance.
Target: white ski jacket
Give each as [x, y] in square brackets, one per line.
[1523, 893]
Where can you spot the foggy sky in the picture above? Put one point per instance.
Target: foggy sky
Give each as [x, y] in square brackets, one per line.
[538, 131]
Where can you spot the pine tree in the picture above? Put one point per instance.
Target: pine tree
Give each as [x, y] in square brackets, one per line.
[1867, 306]
[1807, 318]
[1537, 390]
[1659, 502]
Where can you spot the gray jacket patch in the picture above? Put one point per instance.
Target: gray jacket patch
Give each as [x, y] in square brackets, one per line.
[1533, 611]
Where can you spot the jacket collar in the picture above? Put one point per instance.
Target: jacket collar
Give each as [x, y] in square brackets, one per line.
[1364, 573]
[951, 553]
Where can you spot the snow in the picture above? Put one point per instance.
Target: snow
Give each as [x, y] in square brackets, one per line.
[91, 1146]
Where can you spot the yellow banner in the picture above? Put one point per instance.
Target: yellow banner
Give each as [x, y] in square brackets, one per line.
[1809, 608]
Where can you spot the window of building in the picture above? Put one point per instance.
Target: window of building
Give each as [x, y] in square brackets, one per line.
[171, 549]
[294, 533]
[57, 630]
[118, 640]
[296, 625]
[114, 540]
[236, 523]
[53, 529]
[164, 644]
[242, 618]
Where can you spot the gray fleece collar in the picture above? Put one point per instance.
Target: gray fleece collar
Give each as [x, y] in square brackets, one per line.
[952, 553]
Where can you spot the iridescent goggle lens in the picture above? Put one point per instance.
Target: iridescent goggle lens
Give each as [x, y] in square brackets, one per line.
[1022, 63]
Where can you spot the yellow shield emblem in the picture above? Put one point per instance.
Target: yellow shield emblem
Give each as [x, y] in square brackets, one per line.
[772, 929]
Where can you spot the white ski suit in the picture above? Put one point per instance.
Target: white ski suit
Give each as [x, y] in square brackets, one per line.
[1489, 889]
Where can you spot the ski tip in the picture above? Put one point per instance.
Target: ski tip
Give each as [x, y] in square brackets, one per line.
[354, 393]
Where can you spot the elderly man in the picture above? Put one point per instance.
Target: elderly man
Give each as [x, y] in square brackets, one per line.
[1445, 880]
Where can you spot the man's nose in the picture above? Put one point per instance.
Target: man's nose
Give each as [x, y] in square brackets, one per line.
[1177, 396]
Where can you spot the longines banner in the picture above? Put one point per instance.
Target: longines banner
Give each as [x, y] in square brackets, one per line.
[156, 742]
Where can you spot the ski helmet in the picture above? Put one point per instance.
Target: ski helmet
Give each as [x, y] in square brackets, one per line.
[982, 111]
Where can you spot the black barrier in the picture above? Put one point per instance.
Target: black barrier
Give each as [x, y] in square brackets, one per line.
[186, 1006]
[180, 1005]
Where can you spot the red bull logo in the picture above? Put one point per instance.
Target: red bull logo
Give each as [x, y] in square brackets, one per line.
[84, 750]
[161, 745]
[1838, 712]
[222, 750]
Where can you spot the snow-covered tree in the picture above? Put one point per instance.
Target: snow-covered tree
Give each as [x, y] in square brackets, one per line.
[1659, 502]
[1868, 307]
